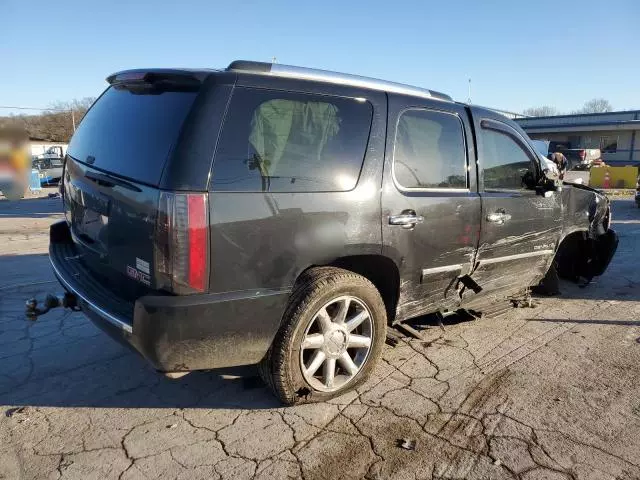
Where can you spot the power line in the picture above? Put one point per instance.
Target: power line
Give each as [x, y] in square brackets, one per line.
[39, 109]
[68, 110]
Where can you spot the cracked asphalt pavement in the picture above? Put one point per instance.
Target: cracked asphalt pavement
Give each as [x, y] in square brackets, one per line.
[551, 392]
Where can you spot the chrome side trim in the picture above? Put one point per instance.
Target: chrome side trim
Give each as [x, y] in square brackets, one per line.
[430, 190]
[104, 314]
[517, 256]
[446, 268]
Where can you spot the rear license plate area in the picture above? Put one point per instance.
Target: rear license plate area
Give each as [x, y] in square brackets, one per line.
[92, 226]
[90, 216]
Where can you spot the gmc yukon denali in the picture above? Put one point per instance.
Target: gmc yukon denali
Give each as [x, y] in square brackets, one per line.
[285, 216]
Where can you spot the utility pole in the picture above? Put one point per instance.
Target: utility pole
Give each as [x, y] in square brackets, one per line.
[274, 60]
[73, 119]
[469, 99]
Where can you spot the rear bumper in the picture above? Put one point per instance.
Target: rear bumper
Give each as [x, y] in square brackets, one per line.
[174, 333]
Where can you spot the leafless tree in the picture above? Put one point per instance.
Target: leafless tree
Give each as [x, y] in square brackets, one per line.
[56, 123]
[596, 105]
[543, 111]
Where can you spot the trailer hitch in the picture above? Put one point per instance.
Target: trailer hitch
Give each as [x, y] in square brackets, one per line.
[67, 300]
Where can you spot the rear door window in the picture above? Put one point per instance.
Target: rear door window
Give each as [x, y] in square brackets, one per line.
[430, 151]
[291, 142]
[131, 133]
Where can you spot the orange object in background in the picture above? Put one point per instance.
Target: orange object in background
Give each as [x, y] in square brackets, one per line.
[15, 161]
[607, 176]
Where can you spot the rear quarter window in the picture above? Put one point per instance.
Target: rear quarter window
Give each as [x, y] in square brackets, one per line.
[131, 133]
[291, 142]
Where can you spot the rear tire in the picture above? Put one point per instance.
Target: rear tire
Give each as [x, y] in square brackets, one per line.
[331, 337]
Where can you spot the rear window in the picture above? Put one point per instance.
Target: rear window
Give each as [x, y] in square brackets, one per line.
[131, 134]
[430, 150]
[291, 142]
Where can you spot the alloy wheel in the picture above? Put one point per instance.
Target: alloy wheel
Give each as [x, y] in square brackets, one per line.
[336, 343]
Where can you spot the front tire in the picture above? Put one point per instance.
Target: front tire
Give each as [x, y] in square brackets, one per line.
[550, 284]
[331, 337]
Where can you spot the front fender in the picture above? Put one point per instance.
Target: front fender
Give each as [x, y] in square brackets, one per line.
[588, 244]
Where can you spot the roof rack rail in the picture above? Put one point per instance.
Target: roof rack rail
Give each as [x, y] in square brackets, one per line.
[303, 73]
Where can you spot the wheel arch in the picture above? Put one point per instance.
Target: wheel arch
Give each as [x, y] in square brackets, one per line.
[581, 254]
[380, 270]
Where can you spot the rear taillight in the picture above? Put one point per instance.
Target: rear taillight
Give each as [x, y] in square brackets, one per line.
[182, 243]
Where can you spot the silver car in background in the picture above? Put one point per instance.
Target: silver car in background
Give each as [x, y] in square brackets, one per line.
[50, 168]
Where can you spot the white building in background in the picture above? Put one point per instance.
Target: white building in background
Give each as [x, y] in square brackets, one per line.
[616, 134]
[40, 147]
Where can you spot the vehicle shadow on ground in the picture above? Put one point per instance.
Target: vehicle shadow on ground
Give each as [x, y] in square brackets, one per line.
[39, 207]
[127, 381]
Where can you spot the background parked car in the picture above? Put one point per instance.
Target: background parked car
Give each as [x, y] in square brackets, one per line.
[50, 168]
[581, 158]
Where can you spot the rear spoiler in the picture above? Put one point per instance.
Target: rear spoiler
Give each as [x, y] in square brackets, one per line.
[158, 76]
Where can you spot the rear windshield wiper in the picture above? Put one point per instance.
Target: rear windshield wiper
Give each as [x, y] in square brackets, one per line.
[108, 181]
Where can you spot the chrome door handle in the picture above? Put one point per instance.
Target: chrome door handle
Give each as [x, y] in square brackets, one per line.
[498, 217]
[405, 220]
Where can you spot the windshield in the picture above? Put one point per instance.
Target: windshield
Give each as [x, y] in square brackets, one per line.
[541, 146]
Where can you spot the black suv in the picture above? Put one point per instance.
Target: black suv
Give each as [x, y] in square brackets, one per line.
[285, 216]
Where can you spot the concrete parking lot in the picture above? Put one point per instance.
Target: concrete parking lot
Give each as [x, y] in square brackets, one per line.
[551, 392]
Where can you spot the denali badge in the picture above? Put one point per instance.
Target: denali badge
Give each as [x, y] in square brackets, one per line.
[544, 246]
[138, 275]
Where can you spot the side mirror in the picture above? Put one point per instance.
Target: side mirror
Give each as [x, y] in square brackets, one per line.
[551, 175]
[550, 182]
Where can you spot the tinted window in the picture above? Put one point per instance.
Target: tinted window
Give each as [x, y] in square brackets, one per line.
[131, 134]
[289, 142]
[505, 162]
[429, 150]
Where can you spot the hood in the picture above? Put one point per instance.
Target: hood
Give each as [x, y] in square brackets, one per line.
[581, 186]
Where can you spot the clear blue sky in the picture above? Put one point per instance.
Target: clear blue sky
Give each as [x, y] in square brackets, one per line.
[517, 53]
